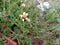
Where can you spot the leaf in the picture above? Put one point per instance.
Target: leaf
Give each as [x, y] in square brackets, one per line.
[47, 42]
[51, 15]
[10, 41]
[58, 20]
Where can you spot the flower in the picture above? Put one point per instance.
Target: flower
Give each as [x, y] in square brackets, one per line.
[24, 17]
[43, 6]
[40, 6]
[46, 5]
[23, 4]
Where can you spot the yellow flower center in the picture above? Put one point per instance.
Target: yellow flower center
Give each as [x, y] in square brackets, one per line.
[24, 16]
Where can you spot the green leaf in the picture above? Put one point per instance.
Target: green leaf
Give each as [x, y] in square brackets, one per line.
[50, 16]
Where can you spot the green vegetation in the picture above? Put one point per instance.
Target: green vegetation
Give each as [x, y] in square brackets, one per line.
[45, 25]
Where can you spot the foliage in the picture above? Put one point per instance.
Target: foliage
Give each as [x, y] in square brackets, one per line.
[42, 24]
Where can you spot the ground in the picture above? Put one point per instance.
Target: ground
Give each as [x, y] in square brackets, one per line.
[42, 29]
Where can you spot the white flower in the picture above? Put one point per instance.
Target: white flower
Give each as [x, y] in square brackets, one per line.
[24, 17]
[23, 5]
[43, 6]
[46, 5]
[40, 6]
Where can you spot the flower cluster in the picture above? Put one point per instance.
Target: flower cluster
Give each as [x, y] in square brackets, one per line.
[24, 15]
[43, 5]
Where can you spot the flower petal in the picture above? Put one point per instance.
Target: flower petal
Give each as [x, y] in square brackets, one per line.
[26, 14]
[27, 19]
[20, 16]
[22, 19]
